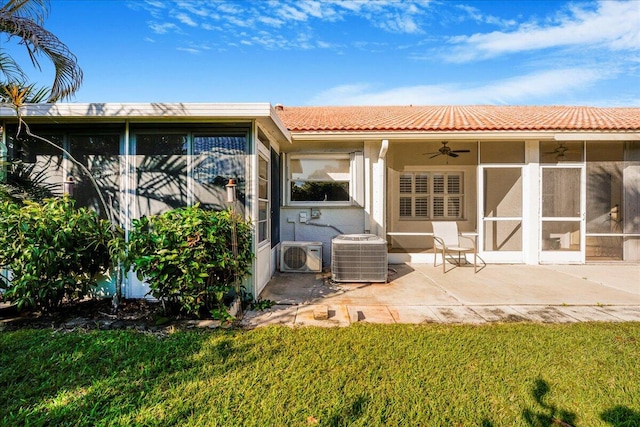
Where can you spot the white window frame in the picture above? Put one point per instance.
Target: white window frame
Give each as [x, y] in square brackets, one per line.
[263, 155]
[356, 178]
[431, 195]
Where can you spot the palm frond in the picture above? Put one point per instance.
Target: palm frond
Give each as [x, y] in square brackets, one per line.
[38, 40]
[36, 10]
[9, 68]
[19, 93]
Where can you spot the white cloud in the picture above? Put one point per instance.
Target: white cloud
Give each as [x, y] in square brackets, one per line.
[400, 24]
[293, 19]
[475, 14]
[186, 19]
[613, 24]
[190, 6]
[290, 13]
[522, 89]
[229, 8]
[156, 4]
[318, 9]
[162, 28]
[273, 22]
[189, 50]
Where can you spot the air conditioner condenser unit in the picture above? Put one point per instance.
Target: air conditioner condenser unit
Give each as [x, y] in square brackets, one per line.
[359, 258]
[301, 257]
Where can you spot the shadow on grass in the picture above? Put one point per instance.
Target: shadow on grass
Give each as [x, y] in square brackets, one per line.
[621, 416]
[349, 413]
[86, 378]
[548, 414]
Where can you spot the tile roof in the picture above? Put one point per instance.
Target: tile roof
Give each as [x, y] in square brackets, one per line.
[458, 118]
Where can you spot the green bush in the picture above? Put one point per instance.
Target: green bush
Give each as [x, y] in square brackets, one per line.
[54, 251]
[186, 255]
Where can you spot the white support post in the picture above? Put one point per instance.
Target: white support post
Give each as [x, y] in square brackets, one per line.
[531, 203]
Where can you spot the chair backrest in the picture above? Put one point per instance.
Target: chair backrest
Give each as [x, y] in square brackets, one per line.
[447, 231]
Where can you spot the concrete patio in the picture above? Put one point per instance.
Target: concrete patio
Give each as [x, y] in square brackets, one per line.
[420, 293]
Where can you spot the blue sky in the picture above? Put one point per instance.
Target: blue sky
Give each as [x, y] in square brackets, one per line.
[353, 52]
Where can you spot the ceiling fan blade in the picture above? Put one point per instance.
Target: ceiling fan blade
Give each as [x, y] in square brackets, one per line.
[435, 155]
[461, 151]
[452, 154]
[433, 152]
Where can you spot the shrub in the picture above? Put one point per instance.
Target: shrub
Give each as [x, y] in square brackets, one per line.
[54, 251]
[186, 255]
[23, 182]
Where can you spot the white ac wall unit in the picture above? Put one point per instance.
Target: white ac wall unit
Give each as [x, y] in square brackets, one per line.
[301, 257]
[359, 258]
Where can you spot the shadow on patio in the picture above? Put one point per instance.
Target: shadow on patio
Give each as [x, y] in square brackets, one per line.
[419, 293]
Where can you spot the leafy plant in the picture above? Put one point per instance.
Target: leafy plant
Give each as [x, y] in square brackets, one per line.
[262, 304]
[188, 258]
[25, 182]
[54, 251]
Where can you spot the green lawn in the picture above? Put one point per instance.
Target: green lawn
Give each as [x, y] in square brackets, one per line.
[363, 375]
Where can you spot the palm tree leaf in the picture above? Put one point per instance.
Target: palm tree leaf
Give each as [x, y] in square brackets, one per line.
[10, 68]
[36, 10]
[38, 40]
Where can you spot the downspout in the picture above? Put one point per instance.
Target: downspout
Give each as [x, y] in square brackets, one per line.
[383, 149]
[380, 190]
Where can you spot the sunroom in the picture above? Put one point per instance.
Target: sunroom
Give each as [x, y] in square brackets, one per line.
[149, 158]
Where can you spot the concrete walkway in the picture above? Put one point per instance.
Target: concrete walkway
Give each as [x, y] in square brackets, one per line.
[420, 293]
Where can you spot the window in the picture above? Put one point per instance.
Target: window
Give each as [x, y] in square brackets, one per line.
[322, 178]
[263, 199]
[179, 165]
[161, 172]
[217, 157]
[100, 154]
[431, 195]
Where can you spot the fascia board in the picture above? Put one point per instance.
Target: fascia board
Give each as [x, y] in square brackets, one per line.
[598, 136]
[417, 136]
[149, 111]
[141, 110]
[455, 135]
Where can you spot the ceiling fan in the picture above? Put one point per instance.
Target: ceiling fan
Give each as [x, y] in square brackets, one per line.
[445, 150]
[559, 151]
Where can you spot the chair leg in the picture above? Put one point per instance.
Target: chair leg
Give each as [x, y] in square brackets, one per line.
[475, 264]
[444, 264]
[435, 255]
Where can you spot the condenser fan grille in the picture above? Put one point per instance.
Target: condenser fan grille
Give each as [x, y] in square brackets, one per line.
[295, 257]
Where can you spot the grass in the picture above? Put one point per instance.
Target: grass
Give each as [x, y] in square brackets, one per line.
[364, 375]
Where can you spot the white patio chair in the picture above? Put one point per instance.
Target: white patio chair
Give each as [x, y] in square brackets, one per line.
[446, 239]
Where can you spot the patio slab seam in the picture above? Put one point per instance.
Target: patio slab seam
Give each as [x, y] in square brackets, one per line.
[443, 289]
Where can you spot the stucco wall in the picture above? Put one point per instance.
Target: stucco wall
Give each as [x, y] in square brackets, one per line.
[349, 220]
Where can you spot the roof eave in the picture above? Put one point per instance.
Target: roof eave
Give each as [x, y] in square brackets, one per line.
[558, 135]
[148, 111]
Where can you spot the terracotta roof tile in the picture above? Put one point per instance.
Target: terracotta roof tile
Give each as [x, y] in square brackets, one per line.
[459, 118]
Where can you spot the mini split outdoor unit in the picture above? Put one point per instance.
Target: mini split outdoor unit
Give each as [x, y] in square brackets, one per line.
[301, 257]
[359, 258]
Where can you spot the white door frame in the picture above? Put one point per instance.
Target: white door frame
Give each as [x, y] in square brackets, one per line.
[262, 249]
[500, 256]
[564, 257]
